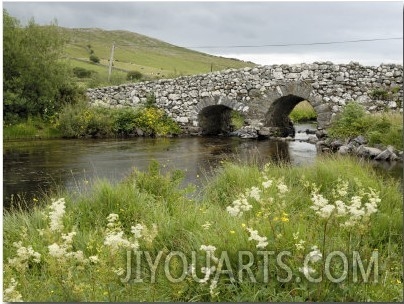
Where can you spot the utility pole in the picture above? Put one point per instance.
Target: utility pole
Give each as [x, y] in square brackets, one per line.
[110, 61]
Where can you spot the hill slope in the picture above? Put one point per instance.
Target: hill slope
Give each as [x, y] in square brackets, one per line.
[135, 52]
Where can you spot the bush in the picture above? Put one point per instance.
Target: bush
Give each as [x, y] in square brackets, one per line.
[82, 120]
[124, 121]
[82, 72]
[94, 58]
[385, 129]
[134, 75]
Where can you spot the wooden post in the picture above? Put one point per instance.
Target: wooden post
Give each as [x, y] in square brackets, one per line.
[110, 61]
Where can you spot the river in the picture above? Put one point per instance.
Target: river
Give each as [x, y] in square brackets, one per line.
[32, 168]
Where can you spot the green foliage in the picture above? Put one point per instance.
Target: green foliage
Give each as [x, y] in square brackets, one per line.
[237, 120]
[379, 94]
[32, 128]
[303, 111]
[184, 225]
[82, 72]
[385, 128]
[35, 81]
[134, 75]
[94, 58]
[81, 120]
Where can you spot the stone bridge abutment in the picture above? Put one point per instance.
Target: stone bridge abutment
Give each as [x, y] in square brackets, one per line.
[264, 95]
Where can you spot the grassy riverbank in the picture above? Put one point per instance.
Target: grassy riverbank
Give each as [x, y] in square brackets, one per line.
[379, 128]
[76, 249]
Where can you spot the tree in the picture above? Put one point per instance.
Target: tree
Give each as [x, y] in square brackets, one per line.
[35, 79]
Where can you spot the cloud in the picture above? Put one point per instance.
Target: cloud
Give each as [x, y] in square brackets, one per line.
[191, 24]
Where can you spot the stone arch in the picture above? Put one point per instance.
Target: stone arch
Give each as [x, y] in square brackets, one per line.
[285, 98]
[214, 114]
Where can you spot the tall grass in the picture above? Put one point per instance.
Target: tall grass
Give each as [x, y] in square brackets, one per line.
[33, 128]
[184, 225]
[302, 112]
[380, 128]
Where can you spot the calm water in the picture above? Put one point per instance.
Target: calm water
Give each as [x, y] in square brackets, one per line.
[36, 167]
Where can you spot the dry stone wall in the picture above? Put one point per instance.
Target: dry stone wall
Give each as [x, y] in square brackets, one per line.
[264, 93]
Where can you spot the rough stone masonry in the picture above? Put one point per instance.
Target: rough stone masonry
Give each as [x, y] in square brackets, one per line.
[264, 95]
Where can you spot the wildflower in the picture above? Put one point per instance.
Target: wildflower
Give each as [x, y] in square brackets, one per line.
[232, 231]
[255, 193]
[93, 259]
[24, 255]
[56, 214]
[262, 240]
[341, 208]
[137, 230]
[208, 248]
[56, 251]
[11, 294]
[266, 184]
[118, 271]
[300, 245]
[207, 225]
[239, 206]
[282, 188]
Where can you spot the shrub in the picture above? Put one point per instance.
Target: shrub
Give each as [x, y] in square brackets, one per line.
[134, 75]
[94, 58]
[385, 129]
[350, 122]
[124, 121]
[81, 72]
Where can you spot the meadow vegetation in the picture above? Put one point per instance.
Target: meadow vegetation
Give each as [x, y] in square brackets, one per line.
[381, 128]
[75, 248]
[303, 112]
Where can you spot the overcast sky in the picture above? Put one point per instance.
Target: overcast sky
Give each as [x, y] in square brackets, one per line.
[228, 24]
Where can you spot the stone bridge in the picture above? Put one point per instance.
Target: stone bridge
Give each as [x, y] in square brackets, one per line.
[264, 95]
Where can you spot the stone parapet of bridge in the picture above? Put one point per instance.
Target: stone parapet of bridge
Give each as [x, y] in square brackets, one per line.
[264, 95]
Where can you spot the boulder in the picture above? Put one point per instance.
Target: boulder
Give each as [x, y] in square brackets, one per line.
[369, 152]
[387, 154]
[343, 150]
[312, 139]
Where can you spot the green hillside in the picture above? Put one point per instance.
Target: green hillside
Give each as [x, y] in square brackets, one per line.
[135, 52]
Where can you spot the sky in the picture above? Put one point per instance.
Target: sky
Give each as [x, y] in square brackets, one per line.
[264, 32]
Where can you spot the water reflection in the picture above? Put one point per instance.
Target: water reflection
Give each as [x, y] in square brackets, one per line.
[33, 168]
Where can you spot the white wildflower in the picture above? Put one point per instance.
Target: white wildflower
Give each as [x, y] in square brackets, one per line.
[254, 192]
[207, 225]
[341, 208]
[24, 255]
[137, 230]
[11, 294]
[262, 240]
[300, 245]
[93, 259]
[115, 240]
[56, 214]
[208, 248]
[118, 271]
[318, 200]
[282, 188]
[149, 234]
[239, 206]
[57, 251]
[113, 217]
[266, 184]
[325, 212]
